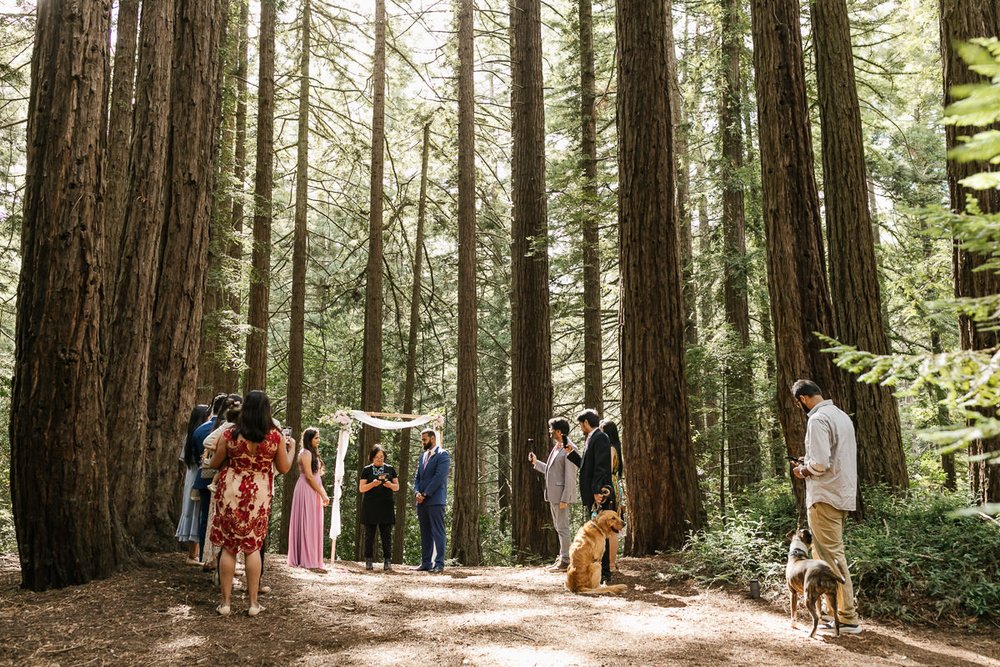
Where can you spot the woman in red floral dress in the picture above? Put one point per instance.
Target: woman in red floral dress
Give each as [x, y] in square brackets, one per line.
[253, 448]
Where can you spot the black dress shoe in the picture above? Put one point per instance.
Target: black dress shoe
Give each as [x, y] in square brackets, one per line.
[422, 568]
[437, 570]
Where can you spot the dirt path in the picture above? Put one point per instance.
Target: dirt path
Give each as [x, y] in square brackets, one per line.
[163, 614]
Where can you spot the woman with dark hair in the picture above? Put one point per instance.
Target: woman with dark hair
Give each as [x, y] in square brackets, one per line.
[251, 450]
[305, 524]
[611, 430]
[377, 484]
[229, 413]
[187, 526]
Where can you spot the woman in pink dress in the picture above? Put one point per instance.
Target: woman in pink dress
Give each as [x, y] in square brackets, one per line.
[247, 456]
[305, 526]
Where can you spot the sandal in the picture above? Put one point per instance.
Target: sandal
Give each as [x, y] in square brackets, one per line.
[253, 611]
[223, 610]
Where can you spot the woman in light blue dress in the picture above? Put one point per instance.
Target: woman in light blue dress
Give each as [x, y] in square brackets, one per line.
[187, 527]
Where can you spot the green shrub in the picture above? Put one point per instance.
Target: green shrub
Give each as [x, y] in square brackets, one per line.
[912, 558]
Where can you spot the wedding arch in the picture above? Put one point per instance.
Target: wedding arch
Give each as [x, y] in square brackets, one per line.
[346, 420]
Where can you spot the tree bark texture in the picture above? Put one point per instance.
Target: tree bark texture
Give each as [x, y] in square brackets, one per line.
[126, 380]
[854, 283]
[119, 142]
[371, 364]
[260, 274]
[403, 500]
[59, 485]
[593, 352]
[655, 418]
[230, 373]
[195, 119]
[800, 297]
[465, 541]
[965, 20]
[682, 194]
[741, 429]
[297, 326]
[531, 339]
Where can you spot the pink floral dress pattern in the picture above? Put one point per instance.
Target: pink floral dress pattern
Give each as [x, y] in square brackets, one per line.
[243, 497]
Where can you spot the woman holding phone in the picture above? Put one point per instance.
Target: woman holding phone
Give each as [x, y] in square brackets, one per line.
[377, 484]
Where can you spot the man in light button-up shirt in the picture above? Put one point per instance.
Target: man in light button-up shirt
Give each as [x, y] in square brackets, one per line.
[830, 468]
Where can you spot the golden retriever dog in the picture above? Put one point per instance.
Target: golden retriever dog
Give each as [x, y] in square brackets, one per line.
[584, 573]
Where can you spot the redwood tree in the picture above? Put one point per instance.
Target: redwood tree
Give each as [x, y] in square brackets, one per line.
[964, 20]
[465, 545]
[800, 297]
[119, 137]
[404, 500]
[260, 275]
[126, 381]
[195, 118]
[854, 285]
[296, 327]
[593, 352]
[655, 417]
[741, 431]
[59, 454]
[371, 363]
[531, 362]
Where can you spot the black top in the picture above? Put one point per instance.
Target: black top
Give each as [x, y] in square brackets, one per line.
[595, 469]
[377, 504]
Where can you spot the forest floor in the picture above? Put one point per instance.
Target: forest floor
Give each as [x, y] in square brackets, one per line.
[163, 613]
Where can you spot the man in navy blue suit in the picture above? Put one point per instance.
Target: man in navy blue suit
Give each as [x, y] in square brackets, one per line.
[431, 487]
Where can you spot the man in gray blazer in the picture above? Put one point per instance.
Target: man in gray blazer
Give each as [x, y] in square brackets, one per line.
[560, 487]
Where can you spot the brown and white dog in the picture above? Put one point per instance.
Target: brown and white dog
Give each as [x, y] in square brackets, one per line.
[811, 578]
[584, 573]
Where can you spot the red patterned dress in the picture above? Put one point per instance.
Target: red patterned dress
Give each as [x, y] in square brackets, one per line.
[243, 497]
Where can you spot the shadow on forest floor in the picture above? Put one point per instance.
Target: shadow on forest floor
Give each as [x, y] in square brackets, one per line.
[163, 613]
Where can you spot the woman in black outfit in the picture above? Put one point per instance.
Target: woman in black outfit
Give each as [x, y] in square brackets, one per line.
[377, 484]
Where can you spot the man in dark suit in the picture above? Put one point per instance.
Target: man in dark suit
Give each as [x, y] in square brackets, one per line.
[595, 475]
[431, 487]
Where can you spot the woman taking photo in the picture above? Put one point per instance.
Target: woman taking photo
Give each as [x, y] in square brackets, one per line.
[377, 484]
[305, 524]
[251, 451]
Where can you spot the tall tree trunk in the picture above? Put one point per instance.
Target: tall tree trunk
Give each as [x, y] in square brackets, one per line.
[854, 284]
[741, 430]
[297, 326]
[531, 340]
[965, 20]
[212, 365]
[61, 455]
[371, 365]
[654, 391]
[465, 543]
[116, 167]
[503, 457]
[260, 275]
[800, 298]
[126, 380]
[682, 167]
[229, 376]
[593, 354]
[403, 500]
[176, 335]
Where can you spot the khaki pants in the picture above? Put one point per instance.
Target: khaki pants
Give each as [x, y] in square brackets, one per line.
[827, 525]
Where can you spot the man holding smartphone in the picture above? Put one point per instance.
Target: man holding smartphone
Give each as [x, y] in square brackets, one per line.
[560, 487]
